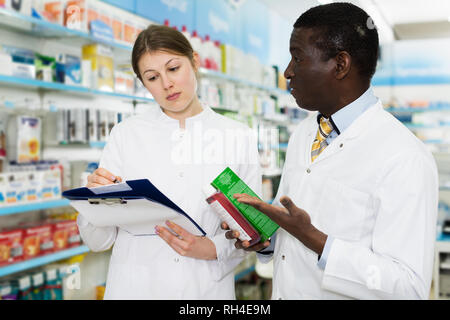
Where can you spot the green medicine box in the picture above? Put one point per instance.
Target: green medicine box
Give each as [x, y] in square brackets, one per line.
[229, 183]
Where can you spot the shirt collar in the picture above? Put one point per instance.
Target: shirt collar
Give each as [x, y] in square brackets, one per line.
[344, 117]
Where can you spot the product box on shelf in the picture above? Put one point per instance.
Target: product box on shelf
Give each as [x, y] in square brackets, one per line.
[11, 246]
[22, 64]
[34, 182]
[16, 188]
[68, 69]
[51, 184]
[37, 240]
[92, 13]
[75, 15]
[92, 123]
[45, 68]
[21, 6]
[124, 82]
[25, 287]
[102, 125]
[49, 10]
[102, 66]
[129, 31]
[37, 282]
[53, 284]
[77, 125]
[65, 234]
[117, 27]
[24, 139]
[7, 290]
[100, 30]
[105, 17]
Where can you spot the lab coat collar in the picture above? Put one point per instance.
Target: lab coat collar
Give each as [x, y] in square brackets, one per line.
[164, 118]
[352, 132]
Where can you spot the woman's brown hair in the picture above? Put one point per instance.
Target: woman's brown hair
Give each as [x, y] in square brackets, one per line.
[160, 38]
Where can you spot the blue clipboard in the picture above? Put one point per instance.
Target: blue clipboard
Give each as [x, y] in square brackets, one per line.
[131, 205]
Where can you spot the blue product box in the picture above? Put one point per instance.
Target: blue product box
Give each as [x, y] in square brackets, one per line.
[68, 69]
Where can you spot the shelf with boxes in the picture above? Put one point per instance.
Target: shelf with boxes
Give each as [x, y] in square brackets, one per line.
[30, 244]
[42, 260]
[220, 75]
[37, 26]
[55, 86]
[428, 120]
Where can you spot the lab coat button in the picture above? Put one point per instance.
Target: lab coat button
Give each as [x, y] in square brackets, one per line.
[308, 170]
[341, 145]
[176, 259]
[283, 257]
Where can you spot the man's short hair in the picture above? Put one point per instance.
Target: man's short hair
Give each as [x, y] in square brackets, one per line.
[344, 27]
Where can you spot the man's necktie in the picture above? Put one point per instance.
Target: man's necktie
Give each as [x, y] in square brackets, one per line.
[320, 142]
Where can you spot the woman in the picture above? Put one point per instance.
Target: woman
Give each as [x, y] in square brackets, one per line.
[180, 146]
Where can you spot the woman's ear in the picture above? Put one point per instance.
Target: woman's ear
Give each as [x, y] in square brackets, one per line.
[196, 61]
[343, 64]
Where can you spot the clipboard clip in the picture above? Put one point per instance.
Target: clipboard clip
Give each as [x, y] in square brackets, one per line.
[107, 201]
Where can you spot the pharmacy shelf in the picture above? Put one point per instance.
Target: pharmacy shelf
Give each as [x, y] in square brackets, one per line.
[70, 145]
[53, 86]
[42, 260]
[4, 211]
[220, 75]
[417, 109]
[419, 126]
[40, 28]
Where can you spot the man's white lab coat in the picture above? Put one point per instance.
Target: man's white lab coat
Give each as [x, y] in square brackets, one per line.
[179, 163]
[375, 190]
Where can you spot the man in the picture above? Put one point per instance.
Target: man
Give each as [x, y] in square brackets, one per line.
[359, 191]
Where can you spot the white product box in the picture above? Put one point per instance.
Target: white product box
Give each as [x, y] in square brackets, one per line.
[92, 119]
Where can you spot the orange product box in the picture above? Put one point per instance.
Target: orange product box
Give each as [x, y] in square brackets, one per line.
[92, 14]
[117, 27]
[11, 246]
[65, 234]
[129, 32]
[37, 240]
[106, 19]
[53, 11]
[75, 14]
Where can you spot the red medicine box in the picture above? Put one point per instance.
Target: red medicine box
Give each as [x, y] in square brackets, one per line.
[65, 234]
[38, 240]
[11, 246]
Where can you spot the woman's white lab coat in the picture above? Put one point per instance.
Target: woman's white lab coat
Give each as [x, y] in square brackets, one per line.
[179, 163]
[375, 190]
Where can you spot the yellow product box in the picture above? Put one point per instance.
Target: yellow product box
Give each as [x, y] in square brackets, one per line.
[102, 66]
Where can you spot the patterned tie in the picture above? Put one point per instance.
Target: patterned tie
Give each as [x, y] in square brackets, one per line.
[320, 142]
